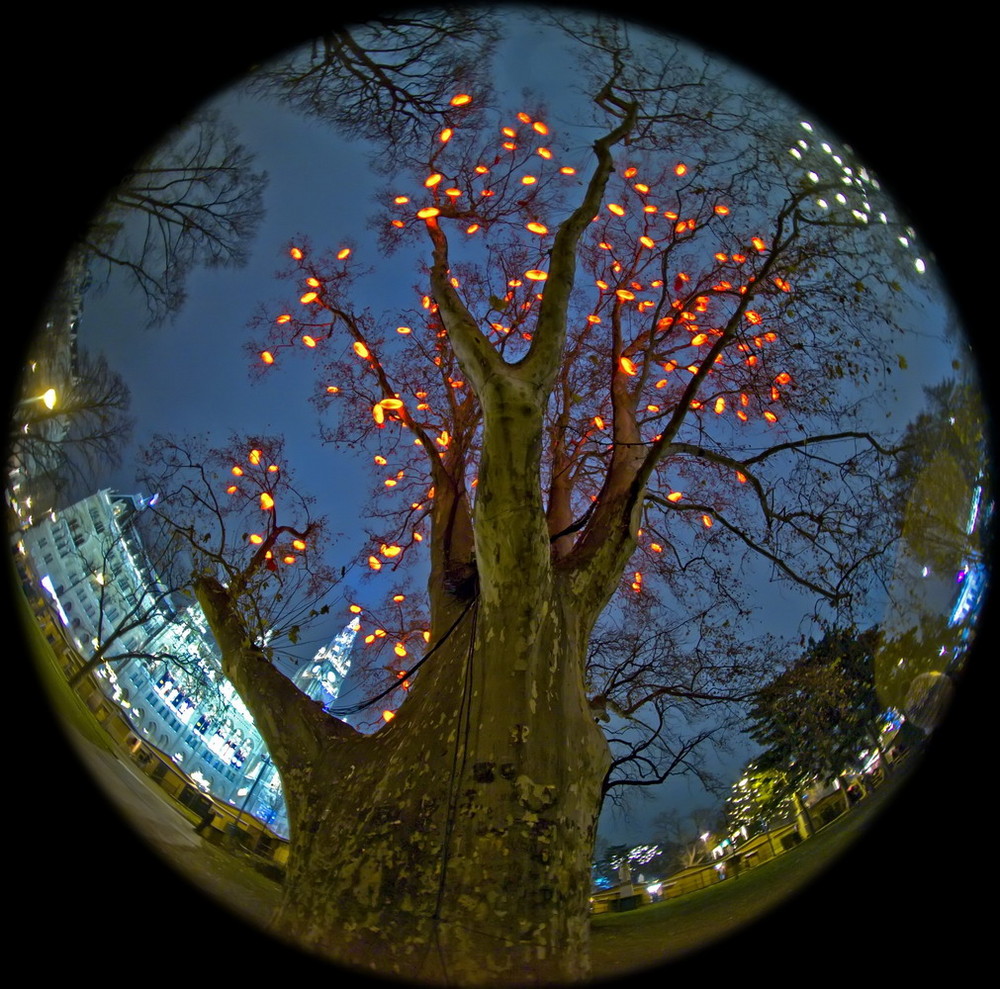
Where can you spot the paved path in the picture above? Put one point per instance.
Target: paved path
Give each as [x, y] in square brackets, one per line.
[224, 877]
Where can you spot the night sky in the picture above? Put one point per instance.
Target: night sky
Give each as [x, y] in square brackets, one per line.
[199, 351]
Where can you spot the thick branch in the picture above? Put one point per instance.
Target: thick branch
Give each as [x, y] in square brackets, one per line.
[295, 728]
[544, 358]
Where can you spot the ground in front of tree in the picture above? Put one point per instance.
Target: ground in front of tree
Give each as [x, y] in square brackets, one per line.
[650, 936]
[669, 930]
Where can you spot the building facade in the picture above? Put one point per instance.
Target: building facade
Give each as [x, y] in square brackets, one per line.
[323, 677]
[160, 662]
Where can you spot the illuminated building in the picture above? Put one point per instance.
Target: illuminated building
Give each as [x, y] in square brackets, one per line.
[971, 576]
[162, 666]
[323, 676]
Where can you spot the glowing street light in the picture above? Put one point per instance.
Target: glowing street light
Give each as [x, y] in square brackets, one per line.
[47, 398]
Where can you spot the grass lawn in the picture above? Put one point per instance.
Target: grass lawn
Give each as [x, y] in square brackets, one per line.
[666, 931]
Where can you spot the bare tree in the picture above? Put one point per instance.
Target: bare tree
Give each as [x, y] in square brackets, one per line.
[688, 833]
[194, 200]
[665, 702]
[139, 598]
[234, 517]
[389, 80]
[83, 431]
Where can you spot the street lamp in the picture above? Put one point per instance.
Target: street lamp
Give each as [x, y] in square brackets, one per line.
[47, 398]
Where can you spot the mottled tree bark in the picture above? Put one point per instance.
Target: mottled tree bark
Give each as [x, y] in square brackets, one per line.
[454, 844]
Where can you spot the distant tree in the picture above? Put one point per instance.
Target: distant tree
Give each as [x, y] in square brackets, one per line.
[82, 432]
[914, 669]
[685, 833]
[942, 479]
[139, 598]
[384, 80]
[760, 798]
[942, 490]
[815, 718]
[194, 200]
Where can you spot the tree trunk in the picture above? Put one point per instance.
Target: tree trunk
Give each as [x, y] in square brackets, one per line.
[803, 816]
[454, 845]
